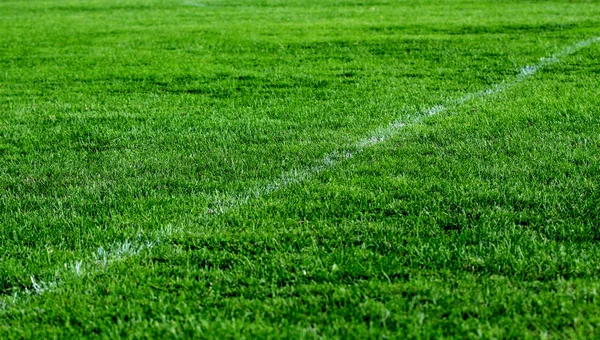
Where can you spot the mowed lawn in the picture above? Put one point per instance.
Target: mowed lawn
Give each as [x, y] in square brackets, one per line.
[302, 169]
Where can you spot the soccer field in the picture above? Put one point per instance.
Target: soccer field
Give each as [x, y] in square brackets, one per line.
[299, 169]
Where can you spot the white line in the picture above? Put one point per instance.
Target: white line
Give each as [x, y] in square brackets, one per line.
[222, 203]
[97, 262]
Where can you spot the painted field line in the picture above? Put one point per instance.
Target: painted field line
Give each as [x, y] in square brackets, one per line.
[222, 203]
[98, 261]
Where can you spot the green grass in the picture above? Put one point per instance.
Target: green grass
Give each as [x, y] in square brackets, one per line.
[141, 142]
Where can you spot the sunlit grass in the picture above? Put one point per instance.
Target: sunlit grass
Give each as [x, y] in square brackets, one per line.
[275, 169]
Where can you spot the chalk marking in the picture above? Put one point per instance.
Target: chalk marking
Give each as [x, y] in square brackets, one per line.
[99, 261]
[222, 203]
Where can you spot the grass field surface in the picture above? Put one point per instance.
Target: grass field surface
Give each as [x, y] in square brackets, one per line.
[299, 169]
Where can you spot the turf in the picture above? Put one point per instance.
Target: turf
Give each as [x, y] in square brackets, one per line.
[168, 169]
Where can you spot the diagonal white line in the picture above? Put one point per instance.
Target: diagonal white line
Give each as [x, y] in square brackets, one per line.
[222, 203]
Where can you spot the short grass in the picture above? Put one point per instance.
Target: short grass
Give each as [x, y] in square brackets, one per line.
[140, 140]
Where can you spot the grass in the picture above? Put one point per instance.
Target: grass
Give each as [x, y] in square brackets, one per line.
[143, 144]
